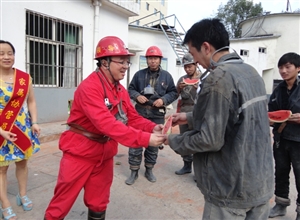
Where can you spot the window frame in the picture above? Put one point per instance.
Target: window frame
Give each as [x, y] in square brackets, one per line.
[244, 52]
[60, 55]
[262, 50]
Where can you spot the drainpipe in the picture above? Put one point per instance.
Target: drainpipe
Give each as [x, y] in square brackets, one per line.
[97, 4]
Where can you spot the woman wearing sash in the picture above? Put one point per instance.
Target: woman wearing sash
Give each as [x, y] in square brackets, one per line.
[18, 128]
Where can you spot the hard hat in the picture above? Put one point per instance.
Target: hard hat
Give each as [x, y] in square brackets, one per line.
[111, 46]
[187, 59]
[153, 51]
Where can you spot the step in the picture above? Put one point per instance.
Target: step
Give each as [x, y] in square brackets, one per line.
[51, 131]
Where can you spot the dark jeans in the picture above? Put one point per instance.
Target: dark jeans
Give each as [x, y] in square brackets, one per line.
[150, 154]
[287, 154]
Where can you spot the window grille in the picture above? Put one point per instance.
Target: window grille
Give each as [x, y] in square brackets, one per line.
[53, 51]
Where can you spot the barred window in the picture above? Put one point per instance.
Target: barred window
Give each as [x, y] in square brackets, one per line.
[54, 51]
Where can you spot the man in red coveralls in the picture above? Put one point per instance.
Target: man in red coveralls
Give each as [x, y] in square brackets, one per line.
[101, 117]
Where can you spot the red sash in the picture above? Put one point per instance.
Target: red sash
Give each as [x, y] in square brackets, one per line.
[12, 109]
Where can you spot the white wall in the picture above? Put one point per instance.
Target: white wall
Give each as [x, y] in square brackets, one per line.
[284, 25]
[278, 33]
[262, 62]
[13, 21]
[52, 102]
[78, 12]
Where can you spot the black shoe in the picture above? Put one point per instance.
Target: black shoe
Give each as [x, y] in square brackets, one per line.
[96, 215]
[133, 176]
[187, 168]
[277, 210]
[149, 175]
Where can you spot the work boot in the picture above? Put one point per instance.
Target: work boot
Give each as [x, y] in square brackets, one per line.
[277, 210]
[149, 175]
[187, 168]
[96, 215]
[133, 176]
[280, 208]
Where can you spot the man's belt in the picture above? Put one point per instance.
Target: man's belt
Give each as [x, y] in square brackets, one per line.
[92, 136]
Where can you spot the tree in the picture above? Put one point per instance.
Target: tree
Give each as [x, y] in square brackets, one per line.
[236, 11]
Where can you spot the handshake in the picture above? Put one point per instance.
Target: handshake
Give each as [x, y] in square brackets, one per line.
[161, 132]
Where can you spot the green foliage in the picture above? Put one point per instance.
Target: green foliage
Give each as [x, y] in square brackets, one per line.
[236, 11]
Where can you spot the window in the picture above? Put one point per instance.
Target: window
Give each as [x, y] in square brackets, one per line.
[161, 16]
[262, 50]
[54, 51]
[147, 6]
[155, 10]
[244, 53]
[138, 22]
[139, 2]
[162, 2]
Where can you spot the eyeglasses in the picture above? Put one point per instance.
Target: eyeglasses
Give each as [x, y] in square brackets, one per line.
[123, 63]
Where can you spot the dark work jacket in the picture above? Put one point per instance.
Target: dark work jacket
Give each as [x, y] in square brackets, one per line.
[188, 95]
[164, 89]
[290, 131]
[230, 140]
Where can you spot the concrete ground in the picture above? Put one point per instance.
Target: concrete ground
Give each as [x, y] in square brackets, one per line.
[171, 197]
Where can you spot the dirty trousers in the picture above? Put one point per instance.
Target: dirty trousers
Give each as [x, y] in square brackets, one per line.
[74, 174]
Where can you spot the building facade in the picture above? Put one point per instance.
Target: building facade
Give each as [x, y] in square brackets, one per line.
[265, 39]
[148, 7]
[55, 43]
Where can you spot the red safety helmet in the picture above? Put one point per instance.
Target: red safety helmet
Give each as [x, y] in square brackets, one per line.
[153, 51]
[111, 46]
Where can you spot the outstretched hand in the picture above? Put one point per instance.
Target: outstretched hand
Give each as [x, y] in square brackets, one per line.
[158, 129]
[179, 119]
[156, 139]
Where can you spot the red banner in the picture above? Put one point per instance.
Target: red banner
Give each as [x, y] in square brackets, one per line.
[12, 109]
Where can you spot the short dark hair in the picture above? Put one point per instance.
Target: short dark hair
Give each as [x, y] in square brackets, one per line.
[292, 58]
[10, 44]
[207, 30]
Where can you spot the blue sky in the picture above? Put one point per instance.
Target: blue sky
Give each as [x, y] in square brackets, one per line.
[190, 11]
